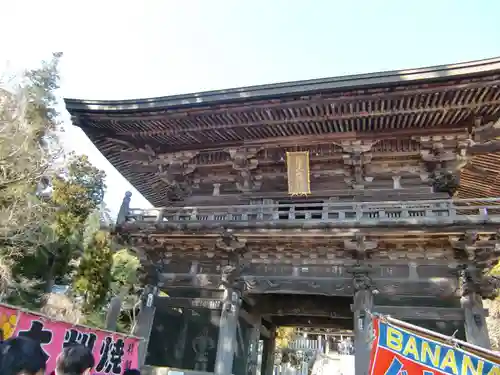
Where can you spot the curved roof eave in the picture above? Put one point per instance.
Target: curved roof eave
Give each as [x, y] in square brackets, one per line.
[350, 82]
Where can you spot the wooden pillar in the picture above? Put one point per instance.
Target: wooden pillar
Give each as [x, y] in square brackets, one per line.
[180, 347]
[476, 330]
[145, 321]
[363, 303]
[253, 352]
[115, 307]
[268, 354]
[226, 346]
[473, 286]
[113, 313]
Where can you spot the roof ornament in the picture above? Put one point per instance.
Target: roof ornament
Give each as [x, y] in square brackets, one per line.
[124, 209]
[485, 137]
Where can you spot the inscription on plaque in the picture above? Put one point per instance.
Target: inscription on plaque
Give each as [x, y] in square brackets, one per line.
[298, 173]
[193, 303]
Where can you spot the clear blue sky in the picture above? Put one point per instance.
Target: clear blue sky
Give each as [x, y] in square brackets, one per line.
[131, 49]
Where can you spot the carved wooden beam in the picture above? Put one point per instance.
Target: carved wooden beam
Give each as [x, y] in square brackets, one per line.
[304, 101]
[303, 305]
[485, 137]
[189, 303]
[422, 313]
[233, 247]
[292, 141]
[483, 251]
[465, 246]
[376, 270]
[312, 321]
[356, 156]
[439, 287]
[245, 164]
[444, 158]
[473, 282]
[475, 254]
[360, 248]
[291, 119]
[174, 170]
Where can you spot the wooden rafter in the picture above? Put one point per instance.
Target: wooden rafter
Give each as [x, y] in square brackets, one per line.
[389, 106]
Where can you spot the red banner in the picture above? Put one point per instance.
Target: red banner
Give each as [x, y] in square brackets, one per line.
[113, 352]
[398, 350]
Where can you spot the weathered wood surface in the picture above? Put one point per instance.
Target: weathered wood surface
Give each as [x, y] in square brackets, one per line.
[398, 279]
[416, 213]
[312, 321]
[342, 270]
[316, 285]
[396, 112]
[227, 342]
[422, 313]
[363, 302]
[188, 303]
[310, 305]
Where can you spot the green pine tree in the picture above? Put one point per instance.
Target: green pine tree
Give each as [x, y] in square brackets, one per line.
[28, 147]
[93, 278]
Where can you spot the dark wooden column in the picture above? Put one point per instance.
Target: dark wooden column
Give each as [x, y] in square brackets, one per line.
[145, 321]
[268, 353]
[113, 313]
[226, 346]
[253, 337]
[476, 330]
[363, 304]
[474, 254]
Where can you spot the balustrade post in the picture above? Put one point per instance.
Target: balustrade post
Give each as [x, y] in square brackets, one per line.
[159, 216]
[324, 211]
[124, 209]
[396, 182]
[359, 212]
[483, 212]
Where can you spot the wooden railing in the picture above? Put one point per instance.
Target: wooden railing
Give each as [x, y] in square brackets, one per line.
[363, 213]
[304, 344]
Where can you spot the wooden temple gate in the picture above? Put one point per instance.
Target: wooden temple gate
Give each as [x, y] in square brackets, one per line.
[308, 204]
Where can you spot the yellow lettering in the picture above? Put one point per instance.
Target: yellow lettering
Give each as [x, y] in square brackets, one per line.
[411, 348]
[394, 339]
[468, 366]
[450, 362]
[494, 371]
[428, 354]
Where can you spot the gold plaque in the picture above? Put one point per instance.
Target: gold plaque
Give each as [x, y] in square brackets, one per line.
[298, 173]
